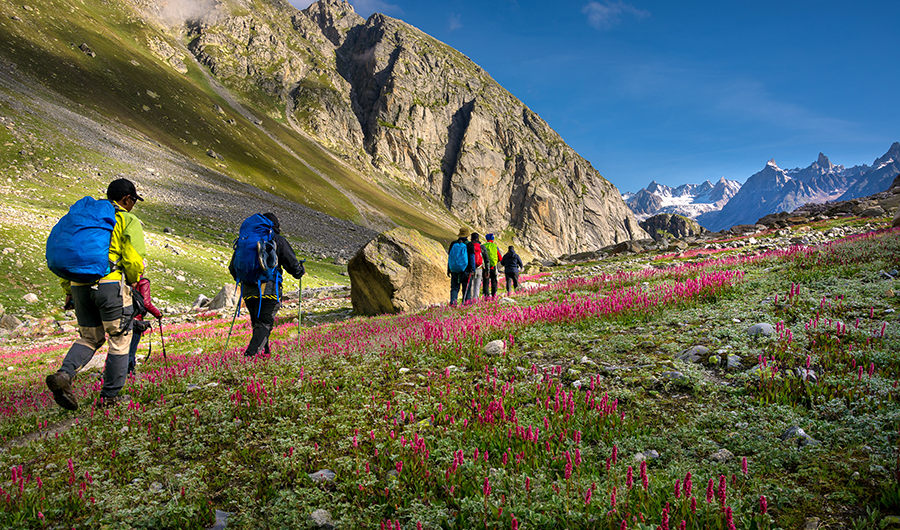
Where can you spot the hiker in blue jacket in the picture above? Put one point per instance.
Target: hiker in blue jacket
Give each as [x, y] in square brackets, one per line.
[512, 265]
[263, 306]
[460, 266]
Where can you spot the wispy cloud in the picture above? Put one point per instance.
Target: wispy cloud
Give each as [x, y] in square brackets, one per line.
[724, 98]
[605, 15]
[454, 23]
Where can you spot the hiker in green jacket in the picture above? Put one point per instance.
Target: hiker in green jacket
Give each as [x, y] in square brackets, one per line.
[104, 307]
[490, 267]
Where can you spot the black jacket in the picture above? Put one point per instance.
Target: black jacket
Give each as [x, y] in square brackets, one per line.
[512, 263]
[287, 261]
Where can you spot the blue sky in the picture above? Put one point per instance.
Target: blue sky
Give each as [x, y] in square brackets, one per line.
[683, 92]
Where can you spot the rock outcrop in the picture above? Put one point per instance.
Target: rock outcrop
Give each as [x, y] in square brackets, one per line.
[668, 225]
[392, 99]
[398, 271]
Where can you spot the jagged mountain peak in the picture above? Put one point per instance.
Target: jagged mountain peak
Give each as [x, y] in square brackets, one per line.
[824, 163]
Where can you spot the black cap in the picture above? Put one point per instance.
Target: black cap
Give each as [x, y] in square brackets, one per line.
[275, 224]
[121, 188]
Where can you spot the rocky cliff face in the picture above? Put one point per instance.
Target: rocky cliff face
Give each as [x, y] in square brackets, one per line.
[400, 103]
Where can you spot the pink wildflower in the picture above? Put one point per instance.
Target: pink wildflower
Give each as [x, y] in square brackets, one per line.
[744, 469]
[629, 478]
[763, 507]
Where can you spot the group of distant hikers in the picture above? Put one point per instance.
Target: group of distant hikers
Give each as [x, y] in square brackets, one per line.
[98, 251]
[472, 266]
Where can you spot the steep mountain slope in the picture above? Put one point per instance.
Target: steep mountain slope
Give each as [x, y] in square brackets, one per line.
[396, 101]
[368, 122]
[774, 190]
[877, 178]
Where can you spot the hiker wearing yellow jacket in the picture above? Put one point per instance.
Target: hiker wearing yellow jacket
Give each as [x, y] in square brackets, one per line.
[104, 307]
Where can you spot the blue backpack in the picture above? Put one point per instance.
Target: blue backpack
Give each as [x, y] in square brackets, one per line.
[458, 260]
[255, 252]
[78, 245]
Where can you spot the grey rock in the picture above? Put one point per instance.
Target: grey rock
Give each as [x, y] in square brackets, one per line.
[200, 303]
[323, 476]
[321, 519]
[733, 362]
[760, 329]
[796, 433]
[678, 377]
[227, 297]
[495, 347]
[221, 520]
[30, 298]
[10, 323]
[693, 354]
[721, 456]
[807, 375]
[811, 523]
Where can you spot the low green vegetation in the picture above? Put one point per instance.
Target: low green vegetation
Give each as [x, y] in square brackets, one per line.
[583, 417]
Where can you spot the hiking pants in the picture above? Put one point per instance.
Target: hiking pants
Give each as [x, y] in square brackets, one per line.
[262, 325]
[512, 281]
[458, 280]
[475, 284]
[102, 309]
[490, 281]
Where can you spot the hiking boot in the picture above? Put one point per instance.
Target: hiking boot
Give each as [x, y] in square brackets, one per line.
[104, 402]
[61, 385]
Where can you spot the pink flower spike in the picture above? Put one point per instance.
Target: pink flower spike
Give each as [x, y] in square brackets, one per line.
[763, 507]
[744, 469]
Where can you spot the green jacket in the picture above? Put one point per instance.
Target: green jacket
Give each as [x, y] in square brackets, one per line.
[126, 249]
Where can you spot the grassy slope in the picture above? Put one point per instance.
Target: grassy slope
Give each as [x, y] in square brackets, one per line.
[223, 444]
[127, 83]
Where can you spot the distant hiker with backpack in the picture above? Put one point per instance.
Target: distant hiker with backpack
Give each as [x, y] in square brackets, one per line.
[460, 264]
[260, 254]
[512, 264]
[481, 261]
[490, 266]
[139, 326]
[98, 250]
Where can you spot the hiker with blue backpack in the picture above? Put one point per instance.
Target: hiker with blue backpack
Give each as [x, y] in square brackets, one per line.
[98, 250]
[460, 264]
[261, 254]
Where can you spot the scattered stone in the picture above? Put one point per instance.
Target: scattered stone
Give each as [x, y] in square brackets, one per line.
[508, 301]
[404, 370]
[650, 454]
[30, 298]
[733, 362]
[221, 520]
[693, 354]
[157, 487]
[722, 456]
[323, 476]
[811, 523]
[803, 439]
[10, 323]
[761, 329]
[168, 230]
[678, 377]
[495, 347]
[200, 303]
[807, 375]
[321, 519]
[227, 297]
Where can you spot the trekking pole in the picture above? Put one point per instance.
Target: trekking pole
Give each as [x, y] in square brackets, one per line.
[236, 310]
[300, 303]
[162, 341]
[150, 346]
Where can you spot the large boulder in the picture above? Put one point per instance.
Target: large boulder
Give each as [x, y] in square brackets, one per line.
[400, 270]
[670, 225]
